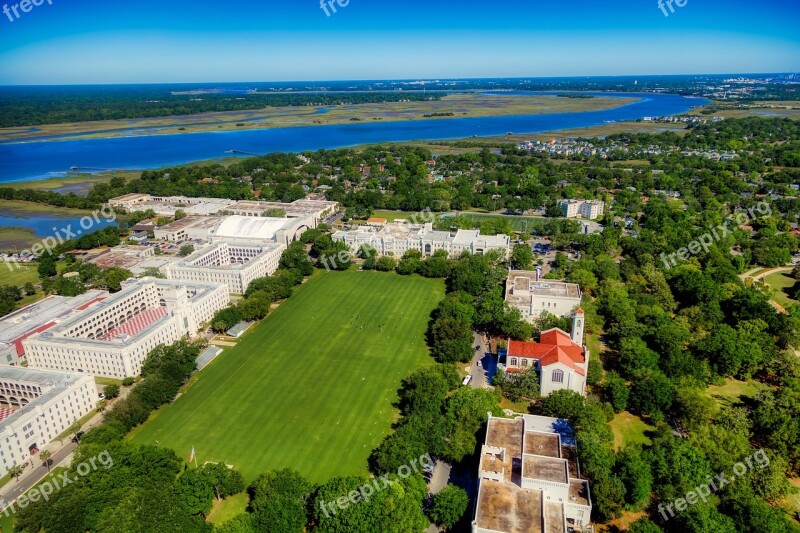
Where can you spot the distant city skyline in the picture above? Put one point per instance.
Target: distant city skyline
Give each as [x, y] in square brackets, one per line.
[88, 41]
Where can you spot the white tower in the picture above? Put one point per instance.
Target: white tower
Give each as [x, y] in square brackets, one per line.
[578, 324]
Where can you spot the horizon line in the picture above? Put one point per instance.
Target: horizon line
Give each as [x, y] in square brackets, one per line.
[362, 80]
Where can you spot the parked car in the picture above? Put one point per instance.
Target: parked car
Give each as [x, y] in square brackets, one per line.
[467, 380]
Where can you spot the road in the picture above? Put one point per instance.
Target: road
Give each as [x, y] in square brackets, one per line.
[32, 479]
[482, 375]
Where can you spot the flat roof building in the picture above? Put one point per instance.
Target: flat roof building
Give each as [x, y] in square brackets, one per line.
[397, 238]
[528, 480]
[37, 317]
[234, 265]
[112, 338]
[169, 205]
[36, 406]
[188, 228]
[526, 291]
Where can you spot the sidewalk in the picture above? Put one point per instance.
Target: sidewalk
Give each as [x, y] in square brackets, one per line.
[61, 453]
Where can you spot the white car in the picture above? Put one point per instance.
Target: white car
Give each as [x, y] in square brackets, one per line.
[467, 380]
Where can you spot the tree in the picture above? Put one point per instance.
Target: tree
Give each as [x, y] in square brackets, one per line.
[451, 340]
[179, 214]
[563, 403]
[111, 391]
[644, 525]
[652, 393]
[295, 257]
[152, 272]
[616, 392]
[112, 278]
[45, 456]
[47, 266]
[15, 472]
[278, 500]
[522, 257]
[186, 249]
[385, 264]
[521, 386]
[635, 474]
[29, 289]
[275, 213]
[449, 506]
[74, 428]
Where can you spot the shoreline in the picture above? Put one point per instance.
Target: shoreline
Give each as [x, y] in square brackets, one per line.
[448, 108]
[444, 146]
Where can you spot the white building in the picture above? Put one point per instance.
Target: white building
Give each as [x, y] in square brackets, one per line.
[112, 338]
[526, 291]
[37, 317]
[561, 359]
[396, 239]
[257, 231]
[36, 406]
[526, 480]
[588, 209]
[236, 266]
[188, 229]
[318, 210]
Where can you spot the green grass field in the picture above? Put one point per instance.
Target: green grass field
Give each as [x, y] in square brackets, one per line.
[629, 430]
[519, 223]
[780, 281]
[312, 386]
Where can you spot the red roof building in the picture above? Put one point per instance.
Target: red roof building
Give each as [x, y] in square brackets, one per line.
[562, 362]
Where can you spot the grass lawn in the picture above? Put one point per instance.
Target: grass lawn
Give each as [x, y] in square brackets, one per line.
[228, 508]
[20, 276]
[312, 386]
[733, 390]
[391, 216]
[781, 281]
[629, 430]
[519, 223]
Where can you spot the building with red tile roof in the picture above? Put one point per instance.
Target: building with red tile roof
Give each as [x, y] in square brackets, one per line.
[560, 359]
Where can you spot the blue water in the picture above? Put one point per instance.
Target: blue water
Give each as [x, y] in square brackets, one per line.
[43, 225]
[43, 159]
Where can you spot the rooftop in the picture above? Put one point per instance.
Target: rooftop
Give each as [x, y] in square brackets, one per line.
[523, 284]
[503, 504]
[52, 308]
[52, 384]
[251, 227]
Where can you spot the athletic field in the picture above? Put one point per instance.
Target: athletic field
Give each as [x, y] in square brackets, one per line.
[312, 386]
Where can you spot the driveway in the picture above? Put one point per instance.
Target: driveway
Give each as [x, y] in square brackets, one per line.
[482, 375]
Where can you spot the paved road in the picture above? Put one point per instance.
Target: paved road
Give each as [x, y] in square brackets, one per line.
[32, 479]
[482, 375]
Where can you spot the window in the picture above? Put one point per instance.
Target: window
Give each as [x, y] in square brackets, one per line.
[513, 361]
[558, 376]
[524, 363]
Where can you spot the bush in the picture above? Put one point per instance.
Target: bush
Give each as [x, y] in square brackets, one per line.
[127, 382]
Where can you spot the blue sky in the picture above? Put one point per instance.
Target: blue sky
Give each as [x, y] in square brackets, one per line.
[111, 41]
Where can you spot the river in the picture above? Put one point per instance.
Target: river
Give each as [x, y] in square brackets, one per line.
[37, 160]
